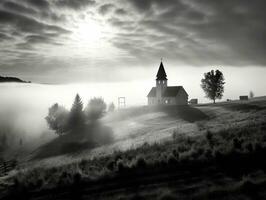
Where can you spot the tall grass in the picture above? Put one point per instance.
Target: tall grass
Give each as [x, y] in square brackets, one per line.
[235, 151]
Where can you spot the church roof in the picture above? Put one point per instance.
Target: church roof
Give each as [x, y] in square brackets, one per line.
[171, 91]
[152, 92]
[161, 75]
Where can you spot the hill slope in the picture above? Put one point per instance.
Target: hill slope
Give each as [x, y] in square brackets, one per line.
[11, 79]
[221, 157]
[133, 127]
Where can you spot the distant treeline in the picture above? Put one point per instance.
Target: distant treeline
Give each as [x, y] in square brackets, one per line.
[11, 79]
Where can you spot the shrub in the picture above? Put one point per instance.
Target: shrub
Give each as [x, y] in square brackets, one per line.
[175, 134]
[196, 153]
[64, 179]
[141, 163]
[175, 154]
[237, 143]
[209, 137]
[171, 160]
[76, 178]
[249, 147]
[183, 148]
[110, 165]
[120, 166]
[208, 154]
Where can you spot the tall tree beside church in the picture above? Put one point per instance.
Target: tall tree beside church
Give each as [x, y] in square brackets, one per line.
[213, 84]
[76, 116]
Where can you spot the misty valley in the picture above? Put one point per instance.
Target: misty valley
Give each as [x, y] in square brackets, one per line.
[57, 144]
[132, 100]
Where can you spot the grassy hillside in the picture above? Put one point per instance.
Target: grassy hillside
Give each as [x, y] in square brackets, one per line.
[133, 127]
[203, 152]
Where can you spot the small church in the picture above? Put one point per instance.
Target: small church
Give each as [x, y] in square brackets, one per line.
[166, 95]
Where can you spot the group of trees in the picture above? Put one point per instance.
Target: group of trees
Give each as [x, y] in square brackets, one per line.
[63, 121]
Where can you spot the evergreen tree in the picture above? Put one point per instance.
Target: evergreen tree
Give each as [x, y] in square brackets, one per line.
[213, 84]
[76, 116]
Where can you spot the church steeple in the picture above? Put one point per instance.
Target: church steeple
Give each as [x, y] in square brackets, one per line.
[161, 75]
[161, 83]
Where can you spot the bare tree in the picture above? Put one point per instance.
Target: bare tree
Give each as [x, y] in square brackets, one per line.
[213, 84]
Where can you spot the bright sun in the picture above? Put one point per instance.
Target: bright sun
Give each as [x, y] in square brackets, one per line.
[91, 37]
[89, 32]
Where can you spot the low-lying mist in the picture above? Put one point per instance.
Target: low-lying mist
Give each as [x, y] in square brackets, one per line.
[23, 107]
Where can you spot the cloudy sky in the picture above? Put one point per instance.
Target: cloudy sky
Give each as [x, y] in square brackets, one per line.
[100, 40]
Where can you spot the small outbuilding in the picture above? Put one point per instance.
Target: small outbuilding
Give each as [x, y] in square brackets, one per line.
[193, 101]
[243, 98]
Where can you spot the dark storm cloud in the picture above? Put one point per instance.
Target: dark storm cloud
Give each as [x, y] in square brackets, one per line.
[144, 6]
[199, 32]
[120, 11]
[22, 29]
[41, 4]
[141, 5]
[24, 46]
[104, 9]
[122, 24]
[36, 39]
[34, 9]
[27, 24]
[18, 8]
[74, 4]
[4, 37]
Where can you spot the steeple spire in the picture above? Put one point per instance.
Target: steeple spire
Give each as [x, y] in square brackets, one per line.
[161, 75]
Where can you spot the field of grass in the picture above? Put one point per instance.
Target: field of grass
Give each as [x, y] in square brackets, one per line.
[202, 152]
